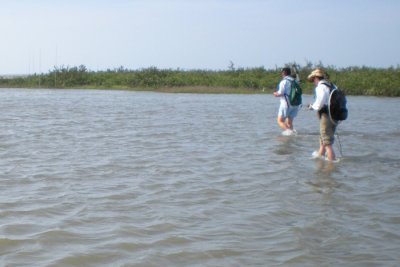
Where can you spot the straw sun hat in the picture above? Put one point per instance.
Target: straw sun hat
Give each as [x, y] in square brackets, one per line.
[317, 73]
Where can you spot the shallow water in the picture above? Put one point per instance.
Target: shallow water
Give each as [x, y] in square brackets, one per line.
[117, 178]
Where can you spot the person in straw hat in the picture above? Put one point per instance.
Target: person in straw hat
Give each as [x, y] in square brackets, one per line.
[286, 113]
[327, 129]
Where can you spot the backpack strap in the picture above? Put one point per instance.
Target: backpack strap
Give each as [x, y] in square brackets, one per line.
[329, 84]
[325, 109]
[290, 81]
[286, 96]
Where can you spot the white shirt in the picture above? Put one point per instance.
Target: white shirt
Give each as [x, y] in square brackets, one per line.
[284, 90]
[321, 96]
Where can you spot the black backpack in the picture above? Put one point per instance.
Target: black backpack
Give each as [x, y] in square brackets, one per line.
[337, 104]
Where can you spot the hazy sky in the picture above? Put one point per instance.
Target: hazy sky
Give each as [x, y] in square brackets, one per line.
[37, 35]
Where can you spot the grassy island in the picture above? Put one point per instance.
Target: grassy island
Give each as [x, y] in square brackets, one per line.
[353, 80]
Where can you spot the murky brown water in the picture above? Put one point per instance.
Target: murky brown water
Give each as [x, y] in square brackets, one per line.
[111, 178]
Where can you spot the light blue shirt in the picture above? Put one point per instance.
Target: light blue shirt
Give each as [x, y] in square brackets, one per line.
[284, 90]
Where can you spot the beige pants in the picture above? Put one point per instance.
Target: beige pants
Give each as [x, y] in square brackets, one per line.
[327, 130]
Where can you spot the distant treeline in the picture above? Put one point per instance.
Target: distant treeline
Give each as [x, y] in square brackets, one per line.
[353, 80]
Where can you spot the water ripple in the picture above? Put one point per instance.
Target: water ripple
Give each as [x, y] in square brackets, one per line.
[107, 178]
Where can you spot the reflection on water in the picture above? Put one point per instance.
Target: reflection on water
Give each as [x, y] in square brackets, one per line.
[324, 168]
[323, 181]
[285, 145]
[108, 178]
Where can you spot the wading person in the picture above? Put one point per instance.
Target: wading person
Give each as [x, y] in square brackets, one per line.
[286, 112]
[326, 127]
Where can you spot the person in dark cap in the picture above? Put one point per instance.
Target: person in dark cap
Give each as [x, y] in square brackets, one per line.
[286, 112]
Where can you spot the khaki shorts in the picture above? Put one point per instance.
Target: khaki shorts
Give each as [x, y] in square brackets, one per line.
[326, 129]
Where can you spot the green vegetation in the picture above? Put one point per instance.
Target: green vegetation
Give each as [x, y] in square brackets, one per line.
[353, 80]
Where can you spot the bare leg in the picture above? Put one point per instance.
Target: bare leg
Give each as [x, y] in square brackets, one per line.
[321, 149]
[289, 123]
[281, 123]
[330, 153]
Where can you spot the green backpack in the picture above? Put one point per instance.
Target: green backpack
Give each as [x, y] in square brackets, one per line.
[295, 93]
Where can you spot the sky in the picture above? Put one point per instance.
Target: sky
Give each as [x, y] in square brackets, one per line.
[37, 35]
